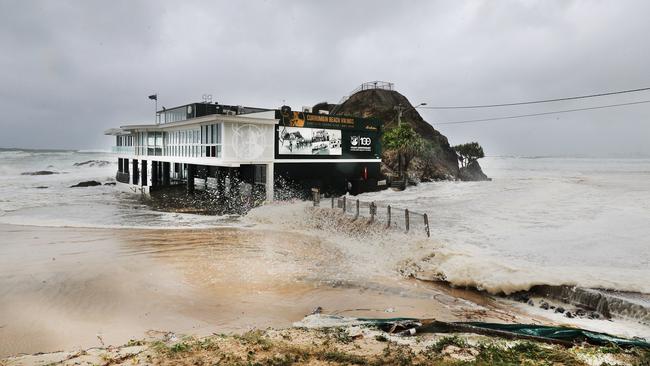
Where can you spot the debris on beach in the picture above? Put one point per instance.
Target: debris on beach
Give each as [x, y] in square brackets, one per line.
[566, 336]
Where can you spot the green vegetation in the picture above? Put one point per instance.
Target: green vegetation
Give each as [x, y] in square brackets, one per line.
[381, 338]
[440, 345]
[468, 152]
[406, 143]
[525, 353]
[335, 346]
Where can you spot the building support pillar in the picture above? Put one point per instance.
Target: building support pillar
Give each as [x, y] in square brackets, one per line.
[144, 174]
[270, 189]
[191, 171]
[135, 174]
[233, 177]
[221, 184]
[166, 172]
[154, 173]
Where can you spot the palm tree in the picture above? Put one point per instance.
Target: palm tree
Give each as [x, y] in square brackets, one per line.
[406, 143]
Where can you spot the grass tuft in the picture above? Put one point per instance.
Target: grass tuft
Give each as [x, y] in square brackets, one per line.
[441, 344]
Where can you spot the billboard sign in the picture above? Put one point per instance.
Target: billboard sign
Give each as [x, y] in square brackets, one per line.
[304, 135]
[309, 141]
[314, 120]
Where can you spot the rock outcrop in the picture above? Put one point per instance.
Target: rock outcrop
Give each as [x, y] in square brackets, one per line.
[90, 183]
[40, 172]
[472, 172]
[99, 163]
[440, 163]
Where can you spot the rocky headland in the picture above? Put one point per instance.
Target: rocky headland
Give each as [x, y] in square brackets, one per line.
[438, 161]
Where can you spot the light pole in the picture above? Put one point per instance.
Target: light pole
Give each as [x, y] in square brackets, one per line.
[155, 112]
[400, 109]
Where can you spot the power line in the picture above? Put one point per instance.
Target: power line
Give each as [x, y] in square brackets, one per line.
[538, 101]
[541, 114]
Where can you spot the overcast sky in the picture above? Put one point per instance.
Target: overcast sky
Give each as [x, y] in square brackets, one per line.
[71, 69]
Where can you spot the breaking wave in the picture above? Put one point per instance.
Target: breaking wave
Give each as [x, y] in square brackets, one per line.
[48, 200]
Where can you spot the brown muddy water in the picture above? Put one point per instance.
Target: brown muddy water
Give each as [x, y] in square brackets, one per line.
[70, 288]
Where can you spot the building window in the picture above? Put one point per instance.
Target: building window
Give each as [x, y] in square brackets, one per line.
[259, 174]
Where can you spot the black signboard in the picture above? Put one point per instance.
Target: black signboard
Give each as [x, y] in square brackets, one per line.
[302, 135]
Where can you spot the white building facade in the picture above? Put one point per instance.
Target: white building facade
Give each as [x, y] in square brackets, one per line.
[207, 146]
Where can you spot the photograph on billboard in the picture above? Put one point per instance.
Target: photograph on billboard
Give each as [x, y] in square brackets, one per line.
[309, 141]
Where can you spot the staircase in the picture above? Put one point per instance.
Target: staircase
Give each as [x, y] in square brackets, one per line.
[398, 185]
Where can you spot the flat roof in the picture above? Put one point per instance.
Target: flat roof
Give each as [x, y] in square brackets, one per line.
[255, 118]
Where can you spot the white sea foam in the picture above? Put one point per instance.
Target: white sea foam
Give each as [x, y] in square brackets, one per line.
[540, 221]
[48, 200]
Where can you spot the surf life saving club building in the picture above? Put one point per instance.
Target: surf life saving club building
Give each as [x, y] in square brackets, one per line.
[235, 150]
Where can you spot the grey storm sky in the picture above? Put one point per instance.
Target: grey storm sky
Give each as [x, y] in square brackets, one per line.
[71, 69]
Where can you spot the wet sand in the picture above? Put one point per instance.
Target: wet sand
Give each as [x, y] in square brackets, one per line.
[70, 288]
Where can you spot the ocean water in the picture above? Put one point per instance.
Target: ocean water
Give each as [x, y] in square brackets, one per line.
[48, 200]
[555, 221]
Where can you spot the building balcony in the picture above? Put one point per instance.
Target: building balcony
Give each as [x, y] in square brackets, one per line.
[127, 150]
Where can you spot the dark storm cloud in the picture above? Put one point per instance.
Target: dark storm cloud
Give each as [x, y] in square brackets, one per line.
[70, 69]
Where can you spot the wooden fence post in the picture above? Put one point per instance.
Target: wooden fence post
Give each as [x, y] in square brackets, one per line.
[332, 202]
[344, 204]
[373, 209]
[316, 196]
[426, 225]
[406, 219]
[357, 215]
[388, 212]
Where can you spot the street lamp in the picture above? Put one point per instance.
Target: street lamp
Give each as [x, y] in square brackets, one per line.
[155, 112]
[401, 110]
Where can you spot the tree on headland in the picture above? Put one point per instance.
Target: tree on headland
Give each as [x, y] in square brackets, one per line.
[468, 153]
[405, 142]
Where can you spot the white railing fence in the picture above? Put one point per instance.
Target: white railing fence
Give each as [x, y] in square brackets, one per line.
[367, 86]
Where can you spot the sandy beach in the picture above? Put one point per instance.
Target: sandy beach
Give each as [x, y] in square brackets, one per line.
[70, 288]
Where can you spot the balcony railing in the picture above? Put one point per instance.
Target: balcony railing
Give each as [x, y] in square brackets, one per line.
[185, 150]
[123, 150]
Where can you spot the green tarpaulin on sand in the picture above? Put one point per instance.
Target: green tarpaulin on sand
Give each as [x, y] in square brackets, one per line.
[551, 334]
[563, 333]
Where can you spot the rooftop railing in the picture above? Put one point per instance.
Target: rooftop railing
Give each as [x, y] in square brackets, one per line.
[384, 85]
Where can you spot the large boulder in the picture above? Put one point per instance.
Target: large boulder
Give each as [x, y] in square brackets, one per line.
[441, 163]
[91, 163]
[473, 172]
[40, 172]
[89, 183]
